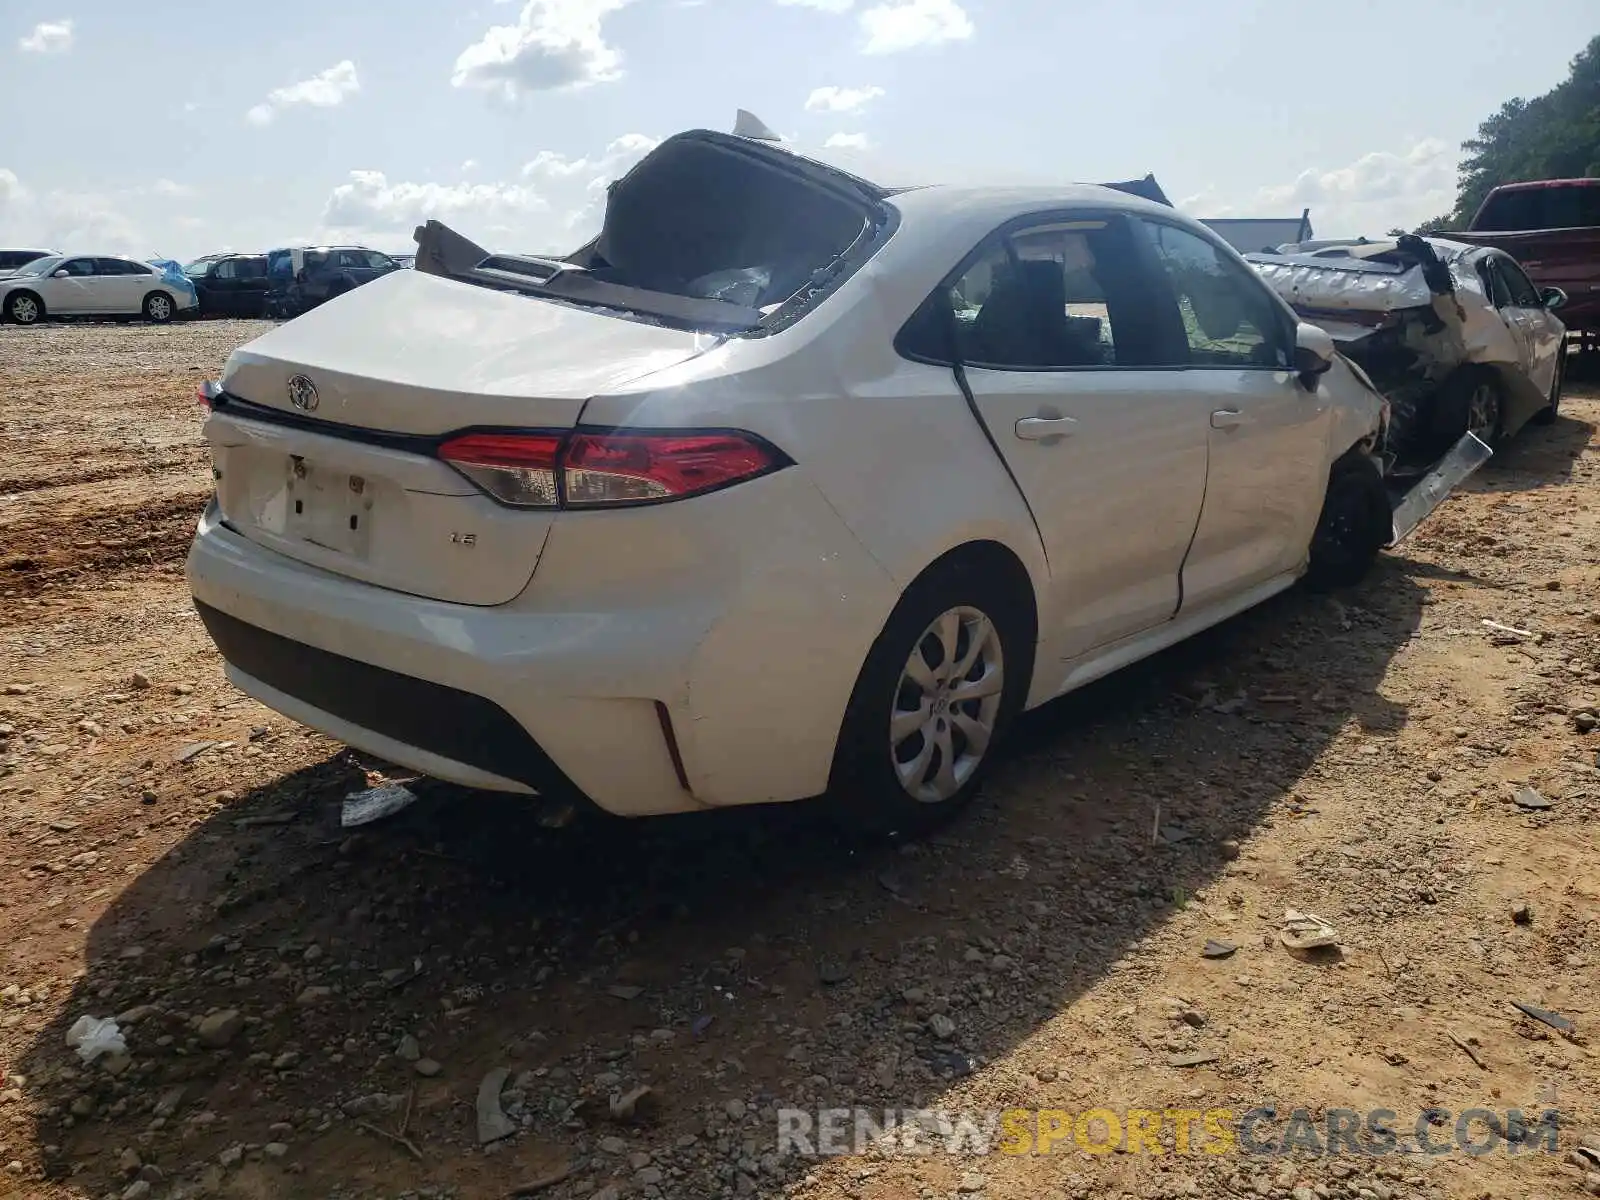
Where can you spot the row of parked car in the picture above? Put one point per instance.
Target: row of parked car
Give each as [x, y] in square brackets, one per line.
[36, 283]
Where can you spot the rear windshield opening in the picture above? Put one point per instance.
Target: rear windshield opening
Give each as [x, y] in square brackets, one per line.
[699, 220]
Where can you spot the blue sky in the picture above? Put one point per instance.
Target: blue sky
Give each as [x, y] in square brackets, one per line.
[185, 126]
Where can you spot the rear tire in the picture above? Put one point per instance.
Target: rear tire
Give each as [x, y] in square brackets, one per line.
[158, 308]
[935, 697]
[1470, 401]
[1548, 414]
[1355, 523]
[24, 308]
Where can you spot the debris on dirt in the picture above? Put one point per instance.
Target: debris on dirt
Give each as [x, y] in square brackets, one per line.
[267, 820]
[1306, 931]
[540, 1184]
[1468, 1046]
[1555, 1020]
[639, 1104]
[1192, 1058]
[1215, 949]
[493, 1124]
[93, 1036]
[1522, 913]
[1532, 799]
[1507, 634]
[220, 1028]
[374, 804]
[192, 751]
[625, 991]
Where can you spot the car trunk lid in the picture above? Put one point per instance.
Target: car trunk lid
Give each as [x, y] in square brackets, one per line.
[324, 437]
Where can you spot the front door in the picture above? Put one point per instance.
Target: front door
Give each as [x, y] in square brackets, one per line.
[75, 287]
[1053, 321]
[1267, 434]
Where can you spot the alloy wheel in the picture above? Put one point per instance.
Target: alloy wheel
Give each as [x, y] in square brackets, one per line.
[24, 310]
[1483, 412]
[160, 308]
[945, 708]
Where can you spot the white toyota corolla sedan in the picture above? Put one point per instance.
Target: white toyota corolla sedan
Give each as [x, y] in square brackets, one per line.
[786, 485]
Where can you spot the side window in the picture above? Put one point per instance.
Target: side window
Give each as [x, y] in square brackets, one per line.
[228, 269]
[252, 268]
[1229, 319]
[354, 259]
[1064, 293]
[379, 262]
[79, 267]
[1499, 293]
[1523, 293]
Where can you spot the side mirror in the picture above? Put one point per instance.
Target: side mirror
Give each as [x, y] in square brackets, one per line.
[1553, 298]
[62, 274]
[1314, 353]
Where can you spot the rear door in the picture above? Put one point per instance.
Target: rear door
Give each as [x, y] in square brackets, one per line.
[126, 284]
[1054, 322]
[1267, 435]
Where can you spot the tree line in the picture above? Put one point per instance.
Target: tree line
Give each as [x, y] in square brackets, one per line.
[1553, 136]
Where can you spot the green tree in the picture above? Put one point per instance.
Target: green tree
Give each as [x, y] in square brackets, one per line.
[1553, 136]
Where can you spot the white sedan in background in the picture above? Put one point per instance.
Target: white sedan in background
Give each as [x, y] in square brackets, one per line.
[786, 485]
[98, 286]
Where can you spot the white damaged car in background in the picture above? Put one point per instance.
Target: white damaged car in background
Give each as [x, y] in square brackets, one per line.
[1456, 336]
[787, 484]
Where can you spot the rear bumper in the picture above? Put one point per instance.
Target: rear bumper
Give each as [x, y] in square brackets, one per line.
[743, 627]
[446, 724]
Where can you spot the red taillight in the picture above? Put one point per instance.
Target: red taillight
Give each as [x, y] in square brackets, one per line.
[204, 393]
[514, 468]
[596, 470]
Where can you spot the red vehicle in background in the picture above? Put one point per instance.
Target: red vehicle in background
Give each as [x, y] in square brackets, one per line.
[1551, 227]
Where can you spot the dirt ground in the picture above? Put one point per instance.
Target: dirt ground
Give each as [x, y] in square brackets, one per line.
[310, 1011]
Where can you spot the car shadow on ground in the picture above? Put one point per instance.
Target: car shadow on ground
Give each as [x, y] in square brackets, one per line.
[742, 935]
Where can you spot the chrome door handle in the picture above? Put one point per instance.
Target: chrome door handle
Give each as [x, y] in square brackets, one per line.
[1039, 429]
[1228, 418]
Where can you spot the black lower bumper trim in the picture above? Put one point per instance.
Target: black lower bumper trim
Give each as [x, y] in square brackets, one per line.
[430, 716]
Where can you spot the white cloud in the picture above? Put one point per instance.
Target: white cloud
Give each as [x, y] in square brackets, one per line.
[556, 208]
[1380, 191]
[370, 201]
[828, 6]
[48, 37]
[838, 99]
[326, 89]
[470, 164]
[171, 189]
[847, 141]
[554, 44]
[898, 25]
[11, 189]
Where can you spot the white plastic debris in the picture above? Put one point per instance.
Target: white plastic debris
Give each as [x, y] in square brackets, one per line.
[362, 808]
[93, 1036]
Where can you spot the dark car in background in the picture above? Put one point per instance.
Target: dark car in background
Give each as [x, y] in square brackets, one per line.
[230, 285]
[11, 258]
[302, 277]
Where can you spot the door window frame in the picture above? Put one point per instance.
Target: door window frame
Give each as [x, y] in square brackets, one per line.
[1288, 323]
[1511, 271]
[999, 238]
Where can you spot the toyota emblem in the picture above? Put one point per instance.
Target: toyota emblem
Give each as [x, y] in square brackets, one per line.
[302, 393]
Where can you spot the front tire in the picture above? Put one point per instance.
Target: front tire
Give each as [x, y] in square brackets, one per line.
[24, 308]
[935, 697]
[1355, 523]
[158, 308]
[1548, 414]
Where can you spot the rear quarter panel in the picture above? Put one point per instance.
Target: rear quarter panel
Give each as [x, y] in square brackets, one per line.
[889, 444]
